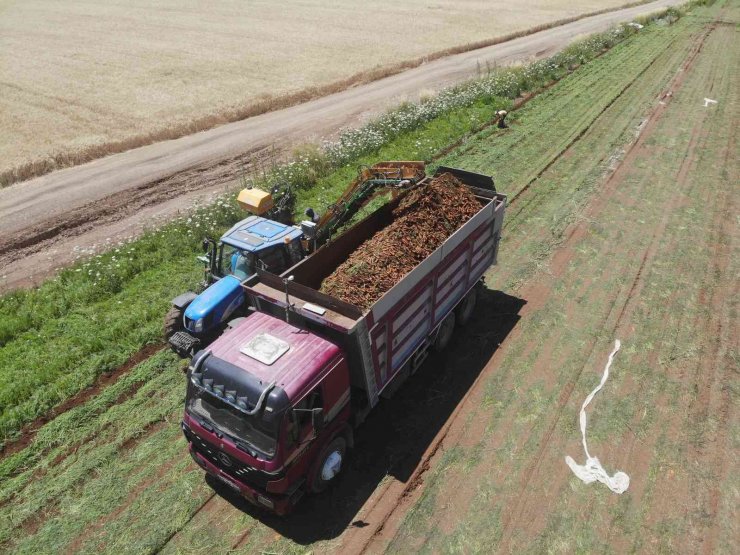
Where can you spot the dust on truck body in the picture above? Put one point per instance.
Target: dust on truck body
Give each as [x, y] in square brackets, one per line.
[272, 404]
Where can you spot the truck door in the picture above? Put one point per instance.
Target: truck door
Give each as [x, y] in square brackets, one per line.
[302, 429]
[331, 395]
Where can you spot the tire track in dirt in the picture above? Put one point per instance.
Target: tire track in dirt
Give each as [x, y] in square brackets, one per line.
[200, 509]
[214, 512]
[709, 387]
[33, 522]
[76, 545]
[699, 385]
[588, 126]
[731, 290]
[677, 200]
[626, 313]
[409, 493]
[528, 521]
[672, 490]
[48, 234]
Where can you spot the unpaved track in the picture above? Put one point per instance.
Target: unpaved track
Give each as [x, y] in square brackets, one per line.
[43, 220]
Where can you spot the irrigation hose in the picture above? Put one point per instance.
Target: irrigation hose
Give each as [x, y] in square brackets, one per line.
[593, 471]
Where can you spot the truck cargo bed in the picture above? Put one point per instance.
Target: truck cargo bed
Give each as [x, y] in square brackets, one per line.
[386, 336]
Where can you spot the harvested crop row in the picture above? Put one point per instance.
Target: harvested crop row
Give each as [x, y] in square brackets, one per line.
[422, 221]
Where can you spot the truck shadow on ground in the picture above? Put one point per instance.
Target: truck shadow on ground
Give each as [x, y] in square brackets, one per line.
[393, 439]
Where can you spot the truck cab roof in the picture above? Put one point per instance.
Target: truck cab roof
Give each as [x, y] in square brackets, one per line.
[256, 233]
[271, 350]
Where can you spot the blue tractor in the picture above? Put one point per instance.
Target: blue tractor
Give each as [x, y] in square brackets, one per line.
[252, 243]
[257, 242]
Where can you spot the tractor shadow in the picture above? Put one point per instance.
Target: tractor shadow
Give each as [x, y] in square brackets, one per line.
[396, 434]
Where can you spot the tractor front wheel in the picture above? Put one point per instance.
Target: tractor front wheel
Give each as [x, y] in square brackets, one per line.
[173, 322]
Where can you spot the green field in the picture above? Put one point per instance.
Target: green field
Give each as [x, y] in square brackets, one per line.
[645, 253]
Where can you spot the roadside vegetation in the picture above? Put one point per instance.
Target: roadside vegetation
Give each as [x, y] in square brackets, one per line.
[110, 474]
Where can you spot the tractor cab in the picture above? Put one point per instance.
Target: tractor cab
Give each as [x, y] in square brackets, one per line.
[253, 243]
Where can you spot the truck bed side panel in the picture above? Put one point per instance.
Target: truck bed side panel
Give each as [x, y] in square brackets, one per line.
[404, 317]
[403, 287]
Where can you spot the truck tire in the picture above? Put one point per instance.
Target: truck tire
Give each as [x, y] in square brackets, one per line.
[466, 308]
[329, 464]
[173, 322]
[444, 333]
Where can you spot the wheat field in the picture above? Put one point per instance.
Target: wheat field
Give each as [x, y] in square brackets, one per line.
[79, 80]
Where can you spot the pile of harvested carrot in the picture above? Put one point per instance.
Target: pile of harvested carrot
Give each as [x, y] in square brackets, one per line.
[422, 221]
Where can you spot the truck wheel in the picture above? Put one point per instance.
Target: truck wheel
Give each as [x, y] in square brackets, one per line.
[444, 334]
[173, 322]
[329, 465]
[464, 311]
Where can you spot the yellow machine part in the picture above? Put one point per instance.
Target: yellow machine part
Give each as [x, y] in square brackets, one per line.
[255, 201]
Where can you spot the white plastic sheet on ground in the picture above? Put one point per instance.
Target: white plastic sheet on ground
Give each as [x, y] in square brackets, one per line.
[592, 471]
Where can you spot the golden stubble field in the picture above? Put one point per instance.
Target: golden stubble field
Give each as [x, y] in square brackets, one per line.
[82, 79]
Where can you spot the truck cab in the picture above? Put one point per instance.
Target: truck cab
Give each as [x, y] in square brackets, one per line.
[267, 411]
[253, 243]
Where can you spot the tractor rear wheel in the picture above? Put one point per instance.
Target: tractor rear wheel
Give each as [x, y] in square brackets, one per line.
[173, 322]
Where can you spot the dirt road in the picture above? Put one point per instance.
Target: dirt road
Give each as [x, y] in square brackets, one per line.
[45, 222]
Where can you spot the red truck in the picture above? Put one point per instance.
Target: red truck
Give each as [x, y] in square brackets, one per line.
[272, 404]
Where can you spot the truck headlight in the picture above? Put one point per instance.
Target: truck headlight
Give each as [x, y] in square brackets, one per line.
[266, 502]
[198, 325]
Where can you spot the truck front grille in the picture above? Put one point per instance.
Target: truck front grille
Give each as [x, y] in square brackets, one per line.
[228, 463]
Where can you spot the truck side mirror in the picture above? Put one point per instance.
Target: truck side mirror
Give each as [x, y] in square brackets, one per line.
[317, 419]
[206, 244]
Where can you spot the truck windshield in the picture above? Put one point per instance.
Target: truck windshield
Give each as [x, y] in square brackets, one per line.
[233, 422]
[234, 262]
